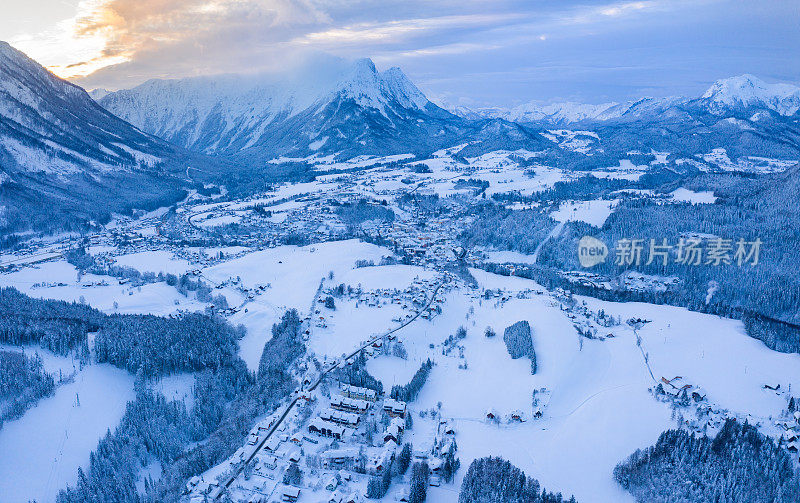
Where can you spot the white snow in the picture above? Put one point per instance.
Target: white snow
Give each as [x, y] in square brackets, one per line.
[748, 90]
[154, 261]
[578, 141]
[685, 195]
[560, 112]
[598, 408]
[594, 212]
[41, 451]
[294, 274]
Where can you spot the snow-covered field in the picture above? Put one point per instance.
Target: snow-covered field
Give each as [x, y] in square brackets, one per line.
[154, 261]
[594, 394]
[59, 280]
[592, 212]
[685, 195]
[42, 451]
[293, 275]
[598, 408]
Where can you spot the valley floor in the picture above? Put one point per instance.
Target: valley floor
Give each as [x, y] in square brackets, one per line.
[591, 402]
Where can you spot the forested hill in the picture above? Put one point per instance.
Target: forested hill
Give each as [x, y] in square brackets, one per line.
[495, 480]
[766, 294]
[739, 464]
[227, 401]
[149, 344]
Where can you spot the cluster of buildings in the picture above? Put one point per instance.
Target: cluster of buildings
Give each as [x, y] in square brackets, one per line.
[344, 413]
[790, 434]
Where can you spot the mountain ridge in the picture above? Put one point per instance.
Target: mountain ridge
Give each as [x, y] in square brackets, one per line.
[229, 115]
[66, 161]
[723, 97]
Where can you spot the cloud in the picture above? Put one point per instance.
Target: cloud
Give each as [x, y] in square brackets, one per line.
[119, 42]
[135, 27]
[396, 30]
[497, 49]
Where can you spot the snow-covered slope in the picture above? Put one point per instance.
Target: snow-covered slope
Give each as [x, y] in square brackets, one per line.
[54, 126]
[329, 106]
[747, 91]
[726, 97]
[556, 113]
[60, 151]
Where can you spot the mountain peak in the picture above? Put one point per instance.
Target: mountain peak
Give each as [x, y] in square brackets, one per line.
[365, 65]
[744, 91]
[234, 113]
[7, 49]
[740, 85]
[10, 55]
[400, 87]
[370, 88]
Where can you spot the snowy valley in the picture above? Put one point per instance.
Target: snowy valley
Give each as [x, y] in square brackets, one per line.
[333, 290]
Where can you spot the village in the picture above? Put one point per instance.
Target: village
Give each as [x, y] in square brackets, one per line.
[249, 259]
[330, 441]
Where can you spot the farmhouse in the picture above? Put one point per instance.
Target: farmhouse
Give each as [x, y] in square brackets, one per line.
[381, 460]
[270, 462]
[337, 457]
[295, 456]
[392, 433]
[272, 444]
[290, 493]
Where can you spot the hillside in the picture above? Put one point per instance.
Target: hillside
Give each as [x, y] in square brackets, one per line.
[65, 161]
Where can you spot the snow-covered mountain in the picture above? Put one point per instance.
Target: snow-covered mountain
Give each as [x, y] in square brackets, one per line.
[98, 93]
[726, 97]
[556, 113]
[59, 145]
[747, 92]
[62, 154]
[335, 106]
[567, 112]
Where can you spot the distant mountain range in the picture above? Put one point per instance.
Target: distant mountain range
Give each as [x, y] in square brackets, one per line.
[738, 124]
[727, 97]
[67, 160]
[349, 109]
[338, 107]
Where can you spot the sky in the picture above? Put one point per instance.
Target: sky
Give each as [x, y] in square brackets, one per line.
[459, 52]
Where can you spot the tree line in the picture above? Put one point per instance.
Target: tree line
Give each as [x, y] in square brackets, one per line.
[495, 480]
[408, 392]
[228, 400]
[739, 464]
